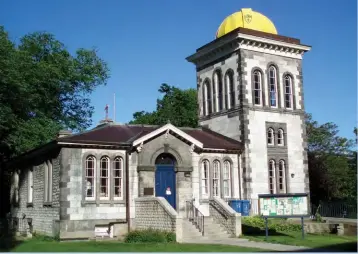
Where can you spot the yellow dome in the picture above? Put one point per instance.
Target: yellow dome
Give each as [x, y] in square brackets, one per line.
[246, 18]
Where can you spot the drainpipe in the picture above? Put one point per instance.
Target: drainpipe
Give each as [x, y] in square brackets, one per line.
[239, 171]
[127, 190]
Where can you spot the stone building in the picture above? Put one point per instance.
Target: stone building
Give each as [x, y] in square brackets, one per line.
[251, 141]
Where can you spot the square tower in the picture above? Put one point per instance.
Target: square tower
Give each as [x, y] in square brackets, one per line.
[249, 83]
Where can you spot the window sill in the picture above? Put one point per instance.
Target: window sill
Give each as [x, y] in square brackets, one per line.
[99, 202]
[29, 204]
[47, 204]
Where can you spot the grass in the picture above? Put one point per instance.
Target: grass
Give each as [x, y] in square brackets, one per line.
[34, 245]
[329, 241]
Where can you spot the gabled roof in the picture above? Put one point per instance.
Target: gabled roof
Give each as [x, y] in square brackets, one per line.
[113, 134]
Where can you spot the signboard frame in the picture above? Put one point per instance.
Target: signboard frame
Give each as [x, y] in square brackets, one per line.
[284, 195]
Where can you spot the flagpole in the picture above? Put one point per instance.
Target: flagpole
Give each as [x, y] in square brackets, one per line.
[114, 107]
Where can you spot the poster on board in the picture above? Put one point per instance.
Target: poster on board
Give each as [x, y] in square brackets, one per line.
[283, 205]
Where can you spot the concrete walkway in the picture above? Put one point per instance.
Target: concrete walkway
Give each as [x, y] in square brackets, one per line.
[250, 244]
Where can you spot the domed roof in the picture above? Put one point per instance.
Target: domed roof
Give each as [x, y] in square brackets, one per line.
[246, 18]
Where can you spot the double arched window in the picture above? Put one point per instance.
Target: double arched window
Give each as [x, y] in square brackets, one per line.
[216, 181]
[110, 178]
[277, 177]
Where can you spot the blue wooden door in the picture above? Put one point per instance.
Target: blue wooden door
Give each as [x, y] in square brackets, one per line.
[165, 183]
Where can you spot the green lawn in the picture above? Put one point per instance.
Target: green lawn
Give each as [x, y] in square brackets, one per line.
[334, 242]
[92, 246]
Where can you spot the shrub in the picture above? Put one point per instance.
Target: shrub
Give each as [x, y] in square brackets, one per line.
[42, 237]
[257, 223]
[149, 236]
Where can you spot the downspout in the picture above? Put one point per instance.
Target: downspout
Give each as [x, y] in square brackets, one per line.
[239, 171]
[127, 191]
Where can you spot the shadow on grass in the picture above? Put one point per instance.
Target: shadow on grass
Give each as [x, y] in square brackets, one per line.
[341, 247]
[7, 243]
[254, 231]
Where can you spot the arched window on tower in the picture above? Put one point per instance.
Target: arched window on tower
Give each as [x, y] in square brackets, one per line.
[230, 90]
[273, 86]
[288, 92]
[215, 93]
[207, 98]
[271, 176]
[280, 137]
[219, 88]
[257, 88]
[270, 137]
[281, 176]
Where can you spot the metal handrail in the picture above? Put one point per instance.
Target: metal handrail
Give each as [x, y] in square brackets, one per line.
[195, 216]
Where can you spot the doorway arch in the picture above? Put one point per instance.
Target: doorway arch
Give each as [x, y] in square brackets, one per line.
[165, 178]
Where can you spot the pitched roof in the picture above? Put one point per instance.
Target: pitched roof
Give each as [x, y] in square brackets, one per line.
[126, 134]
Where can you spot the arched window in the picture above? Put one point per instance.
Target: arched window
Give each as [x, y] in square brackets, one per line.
[273, 86]
[104, 178]
[30, 184]
[219, 89]
[280, 138]
[230, 90]
[257, 88]
[205, 178]
[227, 179]
[90, 177]
[206, 92]
[271, 176]
[118, 178]
[281, 176]
[215, 92]
[288, 91]
[208, 98]
[216, 179]
[270, 136]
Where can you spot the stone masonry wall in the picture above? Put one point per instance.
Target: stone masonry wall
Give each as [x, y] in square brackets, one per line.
[43, 216]
[155, 213]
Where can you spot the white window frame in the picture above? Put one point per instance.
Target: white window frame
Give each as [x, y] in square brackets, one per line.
[227, 179]
[118, 160]
[216, 184]
[271, 178]
[30, 186]
[257, 90]
[93, 177]
[270, 135]
[288, 96]
[280, 137]
[106, 177]
[205, 179]
[274, 86]
[282, 176]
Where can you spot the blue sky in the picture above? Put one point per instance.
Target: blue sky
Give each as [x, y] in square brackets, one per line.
[145, 44]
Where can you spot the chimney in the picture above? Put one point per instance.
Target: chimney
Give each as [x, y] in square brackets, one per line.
[64, 133]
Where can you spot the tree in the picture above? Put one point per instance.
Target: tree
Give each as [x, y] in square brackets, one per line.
[329, 155]
[177, 106]
[43, 88]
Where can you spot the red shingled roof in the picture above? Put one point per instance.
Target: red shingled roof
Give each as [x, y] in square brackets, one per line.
[126, 134]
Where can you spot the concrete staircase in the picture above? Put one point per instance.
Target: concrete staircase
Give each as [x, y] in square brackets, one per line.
[212, 231]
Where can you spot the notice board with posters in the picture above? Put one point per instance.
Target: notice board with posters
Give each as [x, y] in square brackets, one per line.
[283, 205]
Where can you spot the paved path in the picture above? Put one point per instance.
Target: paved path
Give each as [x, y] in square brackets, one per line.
[250, 244]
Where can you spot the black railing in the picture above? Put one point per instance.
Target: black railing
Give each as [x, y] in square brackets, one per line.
[195, 216]
[335, 210]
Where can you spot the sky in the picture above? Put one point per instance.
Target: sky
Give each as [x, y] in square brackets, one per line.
[145, 44]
